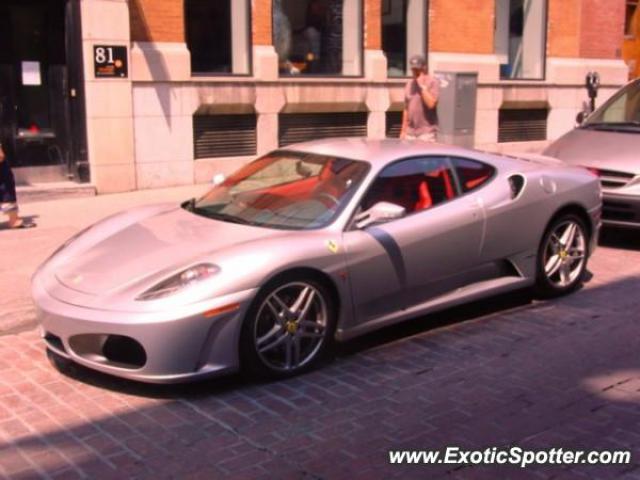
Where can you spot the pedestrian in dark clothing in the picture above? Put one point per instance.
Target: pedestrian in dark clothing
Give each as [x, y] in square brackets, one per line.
[8, 199]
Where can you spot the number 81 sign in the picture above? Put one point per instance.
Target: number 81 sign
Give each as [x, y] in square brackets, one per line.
[110, 61]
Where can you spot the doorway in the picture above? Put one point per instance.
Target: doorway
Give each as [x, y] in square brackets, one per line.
[41, 89]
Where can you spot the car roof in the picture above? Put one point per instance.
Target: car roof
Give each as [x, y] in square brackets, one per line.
[380, 152]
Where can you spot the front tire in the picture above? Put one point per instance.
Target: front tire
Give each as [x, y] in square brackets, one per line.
[288, 327]
[562, 256]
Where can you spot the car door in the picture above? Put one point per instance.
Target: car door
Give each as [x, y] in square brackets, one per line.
[402, 263]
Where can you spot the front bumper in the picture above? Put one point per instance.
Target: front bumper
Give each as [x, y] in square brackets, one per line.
[621, 210]
[179, 345]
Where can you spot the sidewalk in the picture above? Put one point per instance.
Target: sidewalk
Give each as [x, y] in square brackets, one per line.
[24, 250]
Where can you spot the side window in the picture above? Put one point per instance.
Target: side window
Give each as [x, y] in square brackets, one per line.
[415, 184]
[471, 174]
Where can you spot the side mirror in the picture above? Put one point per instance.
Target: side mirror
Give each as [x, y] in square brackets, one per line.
[380, 212]
[580, 118]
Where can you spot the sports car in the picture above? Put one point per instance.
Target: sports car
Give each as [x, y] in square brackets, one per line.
[312, 243]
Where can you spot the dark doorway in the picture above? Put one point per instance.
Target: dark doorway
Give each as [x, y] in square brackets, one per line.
[41, 94]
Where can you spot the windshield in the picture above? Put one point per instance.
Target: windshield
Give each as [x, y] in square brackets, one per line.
[621, 110]
[285, 189]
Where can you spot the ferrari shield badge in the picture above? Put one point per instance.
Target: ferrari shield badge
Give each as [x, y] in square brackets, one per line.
[332, 246]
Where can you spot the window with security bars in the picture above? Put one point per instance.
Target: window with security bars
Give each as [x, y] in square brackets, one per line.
[522, 125]
[303, 127]
[224, 135]
[394, 124]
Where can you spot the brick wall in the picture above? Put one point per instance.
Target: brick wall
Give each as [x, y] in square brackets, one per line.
[585, 28]
[261, 19]
[464, 26]
[373, 24]
[156, 20]
[602, 28]
[564, 28]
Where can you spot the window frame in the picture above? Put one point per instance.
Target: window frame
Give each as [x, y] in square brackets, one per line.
[249, 40]
[425, 52]
[545, 38]
[448, 159]
[302, 76]
[630, 35]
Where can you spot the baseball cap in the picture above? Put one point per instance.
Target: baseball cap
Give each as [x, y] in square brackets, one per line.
[417, 61]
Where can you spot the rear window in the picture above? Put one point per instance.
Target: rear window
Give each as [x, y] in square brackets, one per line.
[472, 174]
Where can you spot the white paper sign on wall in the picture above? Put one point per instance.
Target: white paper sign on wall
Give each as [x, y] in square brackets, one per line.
[31, 73]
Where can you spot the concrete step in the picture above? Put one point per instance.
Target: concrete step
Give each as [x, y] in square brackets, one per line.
[38, 192]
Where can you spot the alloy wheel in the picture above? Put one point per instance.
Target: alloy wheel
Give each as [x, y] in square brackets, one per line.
[565, 254]
[291, 326]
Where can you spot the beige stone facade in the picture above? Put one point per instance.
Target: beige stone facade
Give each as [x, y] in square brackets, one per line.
[140, 129]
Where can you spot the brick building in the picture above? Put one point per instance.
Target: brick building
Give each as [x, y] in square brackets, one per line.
[204, 85]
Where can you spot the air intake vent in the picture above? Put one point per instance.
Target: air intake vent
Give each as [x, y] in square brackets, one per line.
[516, 183]
[522, 125]
[394, 124]
[303, 127]
[224, 135]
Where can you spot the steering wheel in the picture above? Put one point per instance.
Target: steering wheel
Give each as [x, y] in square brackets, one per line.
[327, 196]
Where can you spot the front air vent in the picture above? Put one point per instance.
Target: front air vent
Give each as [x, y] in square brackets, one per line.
[54, 341]
[516, 182]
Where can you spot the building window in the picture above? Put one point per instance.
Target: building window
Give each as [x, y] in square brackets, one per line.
[521, 38]
[218, 36]
[404, 33]
[318, 37]
[632, 8]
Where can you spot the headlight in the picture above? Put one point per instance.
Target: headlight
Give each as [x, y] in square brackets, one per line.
[177, 282]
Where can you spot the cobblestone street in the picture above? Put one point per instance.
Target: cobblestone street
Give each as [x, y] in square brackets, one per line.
[509, 371]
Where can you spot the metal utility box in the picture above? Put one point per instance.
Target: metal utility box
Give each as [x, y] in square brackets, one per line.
[457, 107]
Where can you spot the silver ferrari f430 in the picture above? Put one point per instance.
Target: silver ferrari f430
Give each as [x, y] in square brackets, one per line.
[312, 243]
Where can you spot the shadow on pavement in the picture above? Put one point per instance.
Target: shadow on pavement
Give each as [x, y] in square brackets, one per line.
[528, 376]
[625, 239]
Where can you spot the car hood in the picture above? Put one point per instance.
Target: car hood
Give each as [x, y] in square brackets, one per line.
[149, 250]
[600, 149]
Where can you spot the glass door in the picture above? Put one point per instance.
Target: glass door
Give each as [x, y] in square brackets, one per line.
[33, 74]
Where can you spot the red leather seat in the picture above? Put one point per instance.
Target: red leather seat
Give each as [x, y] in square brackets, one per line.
[435, 188]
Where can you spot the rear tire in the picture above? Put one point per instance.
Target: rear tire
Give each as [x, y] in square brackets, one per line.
[288, 327]
[562, 256]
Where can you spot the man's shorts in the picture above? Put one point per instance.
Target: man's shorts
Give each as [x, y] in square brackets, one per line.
[425, 137]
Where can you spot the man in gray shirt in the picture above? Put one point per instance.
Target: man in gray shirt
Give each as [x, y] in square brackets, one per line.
[420, 117]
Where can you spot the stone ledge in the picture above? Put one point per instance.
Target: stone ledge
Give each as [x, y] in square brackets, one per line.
[54, 191]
